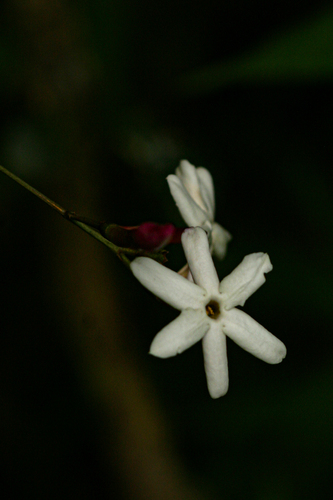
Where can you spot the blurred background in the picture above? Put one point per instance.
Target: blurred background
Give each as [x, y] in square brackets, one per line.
[99, 101]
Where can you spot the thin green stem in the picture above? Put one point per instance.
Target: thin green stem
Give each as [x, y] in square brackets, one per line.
[97, 235]
[34, 191]
[87, 225]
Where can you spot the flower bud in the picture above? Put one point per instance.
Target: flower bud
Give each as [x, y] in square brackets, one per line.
[152, 236]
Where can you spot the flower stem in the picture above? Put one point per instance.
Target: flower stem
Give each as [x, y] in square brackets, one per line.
[88, 225]
[34, 191]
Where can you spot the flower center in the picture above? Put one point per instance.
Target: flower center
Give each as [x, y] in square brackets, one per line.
[213, 309]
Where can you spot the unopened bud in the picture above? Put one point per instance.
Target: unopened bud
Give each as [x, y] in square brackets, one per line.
[152, 236]
[148, 236]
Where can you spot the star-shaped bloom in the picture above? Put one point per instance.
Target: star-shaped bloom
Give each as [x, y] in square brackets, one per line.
[208, 308]
[193, 191]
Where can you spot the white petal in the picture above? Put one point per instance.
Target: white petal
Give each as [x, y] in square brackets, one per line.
[214, 348]
[187, 173]
[168, 285]
[220, 239]
[207, 190]
[192, 214]
[190, 326]
[245, 279]
[196, 248]
[252, 337]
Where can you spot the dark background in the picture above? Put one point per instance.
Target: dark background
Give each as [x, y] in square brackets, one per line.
[99, 101]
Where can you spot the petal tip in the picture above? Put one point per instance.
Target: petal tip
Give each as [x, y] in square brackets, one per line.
[135, 264]
[218, 392]
[173, 180]
[195, 234]
[268, 264]
[279, 354]
[282, 353]
[159, 351]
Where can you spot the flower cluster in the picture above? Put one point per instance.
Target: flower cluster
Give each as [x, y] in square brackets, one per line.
[208, 307]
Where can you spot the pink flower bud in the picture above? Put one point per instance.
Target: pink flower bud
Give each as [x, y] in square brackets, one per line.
[152, 236]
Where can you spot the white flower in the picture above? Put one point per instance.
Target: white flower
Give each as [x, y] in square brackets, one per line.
[193, 191]
[208, 308]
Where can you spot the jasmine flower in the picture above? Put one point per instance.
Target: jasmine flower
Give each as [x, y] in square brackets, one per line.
[193, 191]
[208, 308]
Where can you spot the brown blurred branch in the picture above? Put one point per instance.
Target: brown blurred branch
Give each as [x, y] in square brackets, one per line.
[58, 79]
